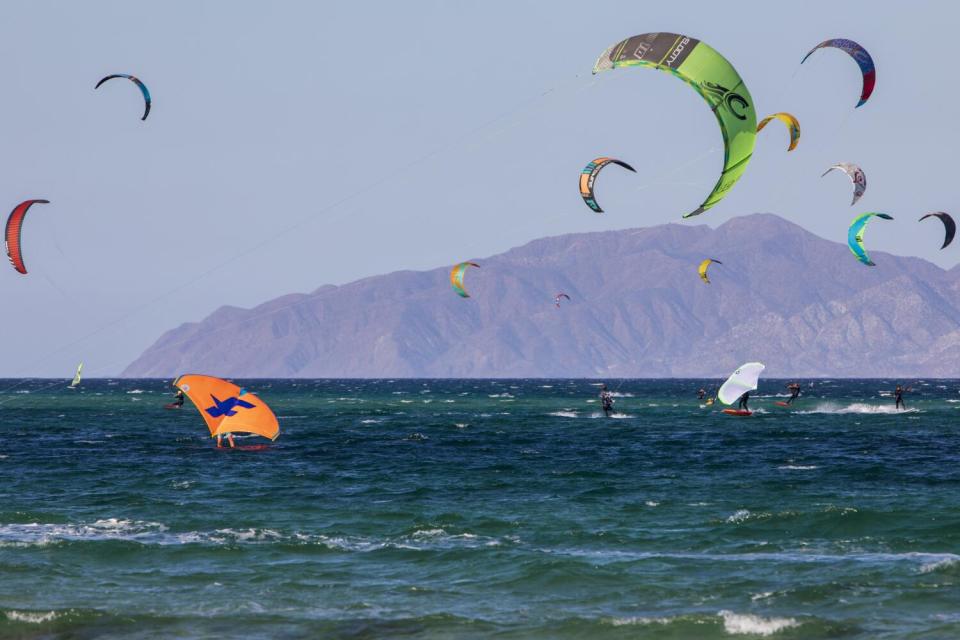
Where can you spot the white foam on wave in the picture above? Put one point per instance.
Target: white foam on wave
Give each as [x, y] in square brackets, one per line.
[617, 394]
[746, 623]
[798, 467]
[31, 617]
[371, 421]
[617, 416]
[944, 561]
[637, 620]
[738, 516]
[135, 391]
[563, 414]
[857, 407]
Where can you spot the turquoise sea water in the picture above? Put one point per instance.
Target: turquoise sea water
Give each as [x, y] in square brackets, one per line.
[482, 509]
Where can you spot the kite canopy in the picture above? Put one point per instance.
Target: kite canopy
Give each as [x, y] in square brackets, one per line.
[589, 175]
[743, 379]
[793, 125]
[856, 175]
[226, 408]
[556, 299]
[949, 226]
[456, 277]
[702, 269]
[710, 75]
[14, 228]
[862, 58]
[136, 81]
[855, 236]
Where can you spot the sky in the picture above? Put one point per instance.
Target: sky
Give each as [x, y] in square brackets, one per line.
[297, 144]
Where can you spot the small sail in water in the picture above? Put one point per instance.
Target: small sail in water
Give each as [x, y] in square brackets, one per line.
[743, 379]
[76, 377]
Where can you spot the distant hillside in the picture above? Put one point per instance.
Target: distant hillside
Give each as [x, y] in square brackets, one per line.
[638, 309]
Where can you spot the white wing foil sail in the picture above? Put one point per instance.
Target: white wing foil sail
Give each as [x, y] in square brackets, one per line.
[743, 379]
[76, 377]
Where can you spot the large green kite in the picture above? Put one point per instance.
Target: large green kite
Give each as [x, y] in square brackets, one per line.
[715, 79]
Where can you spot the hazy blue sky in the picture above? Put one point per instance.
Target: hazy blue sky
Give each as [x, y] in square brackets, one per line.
[295, 144]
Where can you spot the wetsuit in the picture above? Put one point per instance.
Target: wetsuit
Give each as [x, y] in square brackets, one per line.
[700, 394]
[179, 399]
[743, 402]
[606, 400]
[898, 392]
[794, 392]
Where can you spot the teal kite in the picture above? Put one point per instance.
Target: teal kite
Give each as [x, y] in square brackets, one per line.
[855, 236]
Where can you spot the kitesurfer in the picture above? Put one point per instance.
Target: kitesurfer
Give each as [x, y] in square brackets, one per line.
[606, 400]
[794, 388]
[229, 437]
[701, 393]
[744, 399]
[898, 395]
[178, 399]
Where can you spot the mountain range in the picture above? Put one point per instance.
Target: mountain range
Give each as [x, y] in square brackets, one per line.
[784, 296]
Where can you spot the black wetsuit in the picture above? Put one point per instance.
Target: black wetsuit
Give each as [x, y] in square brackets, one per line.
[744, 399]
[700, 394]
[179, 399]
[606, 400]
[899, 396]
[794, 393]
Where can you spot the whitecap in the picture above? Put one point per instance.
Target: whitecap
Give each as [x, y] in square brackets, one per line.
[745, 623]
[31, 617]
[563, 414]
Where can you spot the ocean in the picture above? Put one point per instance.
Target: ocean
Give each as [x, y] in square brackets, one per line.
[482, 509]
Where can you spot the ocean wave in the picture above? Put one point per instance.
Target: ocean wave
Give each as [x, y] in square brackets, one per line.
[857, 407]
[31, 617]
[746, 623]
[154, 533]
[945, 561]
[798, 467]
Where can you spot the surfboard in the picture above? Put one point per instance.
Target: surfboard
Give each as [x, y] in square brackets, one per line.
[737, 412]
[781, 404]
[172, 405]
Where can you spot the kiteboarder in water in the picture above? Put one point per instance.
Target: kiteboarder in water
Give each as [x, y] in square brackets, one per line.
[701, 393]
[744, 399]
[898, 395]
[178, 399]
[606, 400]
[794, 388]
[229, 440]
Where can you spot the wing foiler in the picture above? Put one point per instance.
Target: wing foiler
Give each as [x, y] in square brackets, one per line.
[227, 408]
[743, 379]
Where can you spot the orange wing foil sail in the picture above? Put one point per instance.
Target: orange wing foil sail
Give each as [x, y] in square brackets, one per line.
[227, 408]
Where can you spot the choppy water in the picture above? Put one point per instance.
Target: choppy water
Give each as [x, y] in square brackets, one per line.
[463, 509]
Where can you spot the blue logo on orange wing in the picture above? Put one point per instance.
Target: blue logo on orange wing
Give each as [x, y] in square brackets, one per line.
[227, 407]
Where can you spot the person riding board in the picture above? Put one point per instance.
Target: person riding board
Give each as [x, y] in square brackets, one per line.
[701, 393]
[898, 395]
[744, 399]
[229, 437]
[794, 388]
[606, 400]
[178, 399]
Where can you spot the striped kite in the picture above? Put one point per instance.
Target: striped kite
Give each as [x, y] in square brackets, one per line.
[589, 175]
[12, 235]
[456, 277]
[862, 58]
